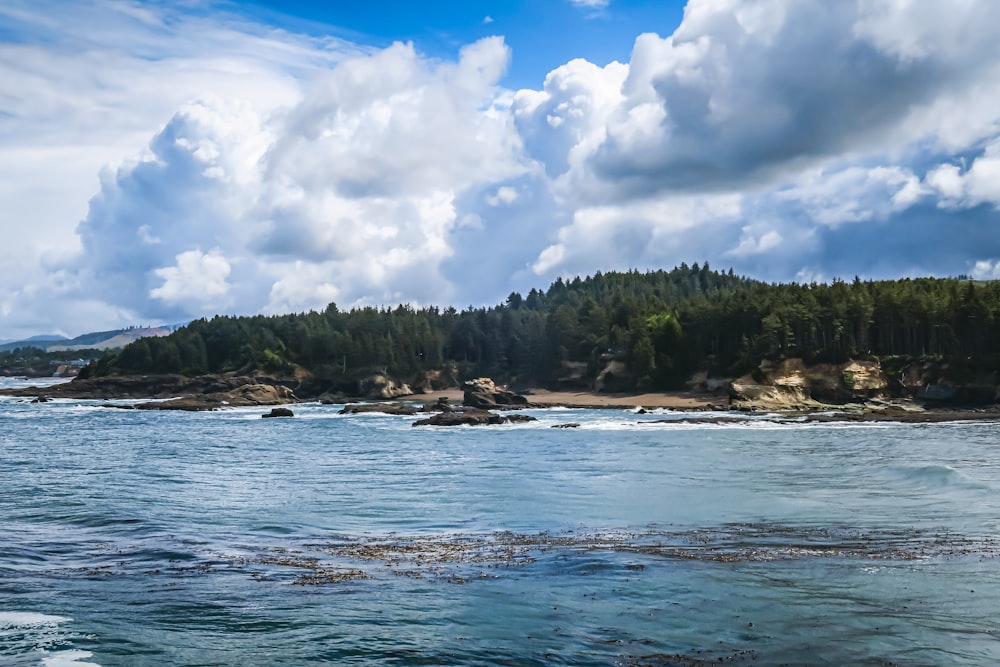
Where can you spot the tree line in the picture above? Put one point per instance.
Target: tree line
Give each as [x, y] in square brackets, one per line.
[662, 326]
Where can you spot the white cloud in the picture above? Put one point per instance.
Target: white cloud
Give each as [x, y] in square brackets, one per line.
[986, 270]
[755, 245]
[853, 194]
[788, 138]
[197, 280]
[349, 193]
[979, 184]
[590, 4]
[745, 94]
[504, 195]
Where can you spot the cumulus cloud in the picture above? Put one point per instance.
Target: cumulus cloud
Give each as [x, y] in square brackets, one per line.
[986, 270]
[350, 193]
[808, 116]
[749, 93]
[251, 170]
[965, 188]
[196, 279]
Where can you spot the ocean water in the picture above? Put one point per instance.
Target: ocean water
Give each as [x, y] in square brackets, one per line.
[145, 538]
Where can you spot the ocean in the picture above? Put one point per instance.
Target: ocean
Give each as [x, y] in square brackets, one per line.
[174, 538]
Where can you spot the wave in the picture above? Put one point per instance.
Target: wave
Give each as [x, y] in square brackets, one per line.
[936, 476]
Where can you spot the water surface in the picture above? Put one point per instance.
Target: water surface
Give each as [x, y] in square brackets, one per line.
[131, 538]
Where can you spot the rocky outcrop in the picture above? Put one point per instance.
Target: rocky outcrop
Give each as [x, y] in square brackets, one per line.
[332, 398]
[435, 380]
[791, 384]
[144, 386]
[441, 405]
[242, 396]
[615, 376]
[381, 408]
[943, 383]
[470, 417]
[574, 375]
[382, 386]
[278, 412]
[484, 394]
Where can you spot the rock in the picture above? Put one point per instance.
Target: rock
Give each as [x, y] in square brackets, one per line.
[442, 405]
[41, 399]
[145, 386]
[278, 412]
[570, 425]
[242, 396]
[259, 394]
[483, 393]
[513, 419]
[573, 375]
[937, 392]
[430, 381]
[746, 394]
[615, 376]
[327, 398]
[383, 408]
[465, 416]
[381, 386]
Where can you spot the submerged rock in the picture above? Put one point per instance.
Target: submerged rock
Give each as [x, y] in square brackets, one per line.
[278, 412]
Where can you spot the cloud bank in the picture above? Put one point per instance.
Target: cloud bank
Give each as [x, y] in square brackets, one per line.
[272, 172]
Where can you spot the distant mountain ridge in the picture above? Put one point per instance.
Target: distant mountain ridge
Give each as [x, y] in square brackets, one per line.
[99, 340]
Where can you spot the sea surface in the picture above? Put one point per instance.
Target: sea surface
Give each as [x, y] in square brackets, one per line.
[173, 538]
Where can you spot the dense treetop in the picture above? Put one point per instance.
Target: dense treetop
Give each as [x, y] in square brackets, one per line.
[663, 325]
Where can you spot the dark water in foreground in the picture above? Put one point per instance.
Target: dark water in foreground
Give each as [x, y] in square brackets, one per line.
[136, 538]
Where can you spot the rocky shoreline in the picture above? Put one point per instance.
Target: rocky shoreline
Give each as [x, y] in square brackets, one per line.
[480, 401]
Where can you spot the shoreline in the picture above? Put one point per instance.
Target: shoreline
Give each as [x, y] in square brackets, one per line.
[543, 398]
[899, 410]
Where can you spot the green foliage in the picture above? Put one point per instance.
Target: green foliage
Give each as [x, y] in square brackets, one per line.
[663, 324]
[849, 379]
[21, 359]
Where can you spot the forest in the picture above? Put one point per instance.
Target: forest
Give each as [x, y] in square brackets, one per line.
[662, 325]
[37, 362]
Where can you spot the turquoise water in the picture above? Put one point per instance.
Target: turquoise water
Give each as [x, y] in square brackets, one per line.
[143, 538]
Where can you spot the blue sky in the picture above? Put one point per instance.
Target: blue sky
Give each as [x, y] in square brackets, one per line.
[542, 34]
[161, 161]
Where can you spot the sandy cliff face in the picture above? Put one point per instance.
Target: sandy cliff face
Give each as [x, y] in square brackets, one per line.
[792, 384]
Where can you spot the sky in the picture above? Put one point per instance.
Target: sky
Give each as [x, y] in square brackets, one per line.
[164, 161]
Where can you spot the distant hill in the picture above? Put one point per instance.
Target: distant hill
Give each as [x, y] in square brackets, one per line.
[46, 337]
[97, 340]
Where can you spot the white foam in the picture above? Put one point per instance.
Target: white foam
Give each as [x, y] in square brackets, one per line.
[28, 619]
[70, 658]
